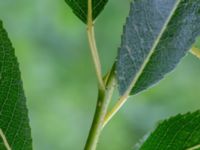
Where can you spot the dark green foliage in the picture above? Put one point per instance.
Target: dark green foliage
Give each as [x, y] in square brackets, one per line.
[178, 133]
[14, 120]
[157, 34]
[80, 8]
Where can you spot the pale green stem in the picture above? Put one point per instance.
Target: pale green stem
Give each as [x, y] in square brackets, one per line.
[105, 89]
[104, 98]
[115, 109]
[93, 47]
[4, 140]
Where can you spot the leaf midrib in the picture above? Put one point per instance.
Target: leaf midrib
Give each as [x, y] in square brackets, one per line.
[194, 147]
[6, 144]
[139, 73]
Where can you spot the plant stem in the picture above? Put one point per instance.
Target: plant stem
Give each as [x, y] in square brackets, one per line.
[93, 47]
[4, 140]
[195, 51]
[104, 94]
[104, 98]
[115, 109]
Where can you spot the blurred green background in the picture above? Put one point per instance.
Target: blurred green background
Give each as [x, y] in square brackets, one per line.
[60, 83]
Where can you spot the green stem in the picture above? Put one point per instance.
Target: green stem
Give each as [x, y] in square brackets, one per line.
[104, 98]
[93, 47]
[115, 109]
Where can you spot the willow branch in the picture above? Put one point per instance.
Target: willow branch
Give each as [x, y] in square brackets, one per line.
[93, 47]
[104, 98]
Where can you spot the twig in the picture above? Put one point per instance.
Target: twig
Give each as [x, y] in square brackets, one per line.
[93, 47]
[104, 98]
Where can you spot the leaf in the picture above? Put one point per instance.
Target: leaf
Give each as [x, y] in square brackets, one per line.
[14, 120]
[197, 43]
[80, 8]
[157, 34]
[181, 132]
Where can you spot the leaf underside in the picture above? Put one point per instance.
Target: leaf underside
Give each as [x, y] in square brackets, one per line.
[178, 133]
[197, 43]
[80, 8]
[157, 34]
[14, 120]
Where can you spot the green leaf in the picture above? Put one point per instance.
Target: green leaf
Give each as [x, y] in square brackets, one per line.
[181, 132]
[80, 8]
[157, 34]
[197, 43]
[14, 121]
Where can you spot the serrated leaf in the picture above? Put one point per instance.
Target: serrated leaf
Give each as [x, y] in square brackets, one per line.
[181, 132]
[14, 120]
[80, 8]
[157, 34]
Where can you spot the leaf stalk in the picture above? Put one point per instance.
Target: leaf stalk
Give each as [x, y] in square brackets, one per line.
[93, 47]
[115, 109]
